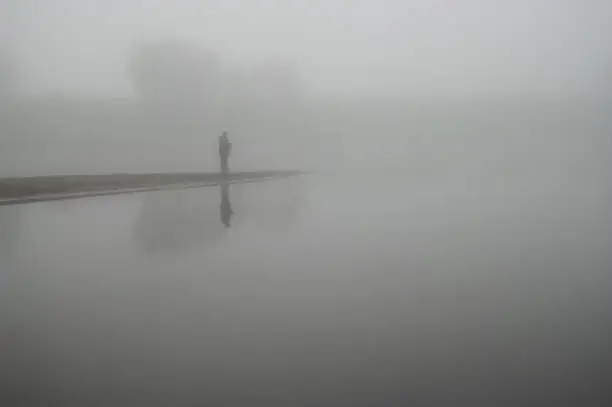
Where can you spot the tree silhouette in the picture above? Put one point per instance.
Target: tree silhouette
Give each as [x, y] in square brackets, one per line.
[8, 77]
[276, 82]
[175, 76]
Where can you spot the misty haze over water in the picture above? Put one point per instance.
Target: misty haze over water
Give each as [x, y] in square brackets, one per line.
[449, 247]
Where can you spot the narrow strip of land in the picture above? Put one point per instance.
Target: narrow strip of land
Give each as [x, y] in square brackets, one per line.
[47, 188]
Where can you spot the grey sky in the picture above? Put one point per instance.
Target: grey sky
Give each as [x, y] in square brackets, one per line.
[339, 46]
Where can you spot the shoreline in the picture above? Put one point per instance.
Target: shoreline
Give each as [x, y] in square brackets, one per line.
[52, 188]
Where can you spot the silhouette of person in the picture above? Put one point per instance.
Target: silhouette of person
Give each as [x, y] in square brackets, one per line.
[225, 148]
[226, 206]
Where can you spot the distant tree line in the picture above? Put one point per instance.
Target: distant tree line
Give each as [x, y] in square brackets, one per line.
[180, 80]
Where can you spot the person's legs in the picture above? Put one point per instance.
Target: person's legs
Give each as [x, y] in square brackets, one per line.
[224, 164]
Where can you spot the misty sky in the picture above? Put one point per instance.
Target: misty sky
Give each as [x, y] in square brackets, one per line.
[339, 46]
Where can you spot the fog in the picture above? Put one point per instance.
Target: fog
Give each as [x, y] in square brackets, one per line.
[449, 246]
[88, 86]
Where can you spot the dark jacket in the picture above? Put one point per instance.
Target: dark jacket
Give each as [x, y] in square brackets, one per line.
[225, 146]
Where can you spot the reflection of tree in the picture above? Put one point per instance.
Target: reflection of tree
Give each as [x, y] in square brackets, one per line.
[9, 231]
[25, 372]
[178, 221]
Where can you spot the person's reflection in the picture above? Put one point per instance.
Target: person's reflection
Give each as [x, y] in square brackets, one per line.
[226, 206]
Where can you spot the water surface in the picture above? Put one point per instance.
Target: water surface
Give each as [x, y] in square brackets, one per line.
[325, 290]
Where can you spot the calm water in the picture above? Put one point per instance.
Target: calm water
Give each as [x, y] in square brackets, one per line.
[324, 291]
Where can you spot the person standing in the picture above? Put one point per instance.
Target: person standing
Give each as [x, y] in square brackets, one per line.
[225, 148]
